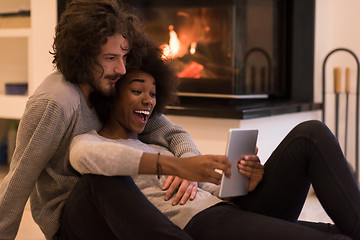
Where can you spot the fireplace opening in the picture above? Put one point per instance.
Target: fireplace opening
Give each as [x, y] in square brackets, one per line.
[235, 49]
[228, 48]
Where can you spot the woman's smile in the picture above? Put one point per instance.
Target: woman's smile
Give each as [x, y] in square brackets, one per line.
[135, 102]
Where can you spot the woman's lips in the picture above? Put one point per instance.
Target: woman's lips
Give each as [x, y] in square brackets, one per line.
[143, 115]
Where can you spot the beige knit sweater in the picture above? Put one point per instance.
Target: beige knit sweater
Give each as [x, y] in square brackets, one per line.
[40, 167]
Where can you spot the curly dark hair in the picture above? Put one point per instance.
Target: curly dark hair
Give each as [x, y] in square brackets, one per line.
[166, 82]
[84, 27]
[165, 77]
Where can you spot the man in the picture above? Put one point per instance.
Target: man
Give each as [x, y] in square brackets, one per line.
[94, 41]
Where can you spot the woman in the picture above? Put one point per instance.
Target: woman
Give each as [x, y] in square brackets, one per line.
[309, 154]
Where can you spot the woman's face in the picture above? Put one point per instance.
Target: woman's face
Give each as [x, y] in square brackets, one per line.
[136, 101]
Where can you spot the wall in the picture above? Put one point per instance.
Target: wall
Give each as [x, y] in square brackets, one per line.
[210, 134]
[336, 27]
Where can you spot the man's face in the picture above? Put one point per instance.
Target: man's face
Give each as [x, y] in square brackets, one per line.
[113, 60]
[136, 101]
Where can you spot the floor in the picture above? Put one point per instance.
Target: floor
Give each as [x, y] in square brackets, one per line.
[30, 231]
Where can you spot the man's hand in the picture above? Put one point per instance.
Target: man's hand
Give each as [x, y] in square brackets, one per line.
[185, 190]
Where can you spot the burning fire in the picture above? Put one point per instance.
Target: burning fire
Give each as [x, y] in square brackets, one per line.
[174, 41]
[193, 48]
[172, 50]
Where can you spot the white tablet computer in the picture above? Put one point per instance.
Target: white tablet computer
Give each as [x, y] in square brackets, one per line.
[240, 142]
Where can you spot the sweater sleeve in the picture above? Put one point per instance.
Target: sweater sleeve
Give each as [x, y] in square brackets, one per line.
[161, 131]
[38, 136]
[91, 154]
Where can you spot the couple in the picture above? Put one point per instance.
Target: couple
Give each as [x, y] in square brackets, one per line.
[96, 42]
[309, 154]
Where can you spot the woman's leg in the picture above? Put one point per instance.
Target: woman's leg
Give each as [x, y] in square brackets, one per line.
[101, 207]
[226, 221]
[309, 154]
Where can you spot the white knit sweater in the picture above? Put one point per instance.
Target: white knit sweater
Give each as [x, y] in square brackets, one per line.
[92, 153]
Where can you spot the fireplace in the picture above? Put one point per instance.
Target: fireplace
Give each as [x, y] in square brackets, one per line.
[235, 48]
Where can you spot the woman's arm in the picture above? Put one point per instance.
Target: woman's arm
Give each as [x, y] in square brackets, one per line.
[90, 154]
[198, 168]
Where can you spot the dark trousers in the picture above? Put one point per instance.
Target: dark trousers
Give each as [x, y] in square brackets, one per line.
[113, 208]
[108, 208]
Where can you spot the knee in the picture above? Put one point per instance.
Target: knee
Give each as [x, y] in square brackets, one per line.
[312, 127]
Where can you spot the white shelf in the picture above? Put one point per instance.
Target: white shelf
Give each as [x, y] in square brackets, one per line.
[15, 32]
[12, 106]
[24, 53]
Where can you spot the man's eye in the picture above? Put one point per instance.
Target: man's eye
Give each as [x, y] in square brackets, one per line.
[109, 58]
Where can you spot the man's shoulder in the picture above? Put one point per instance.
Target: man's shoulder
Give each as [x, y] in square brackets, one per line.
[55, 88]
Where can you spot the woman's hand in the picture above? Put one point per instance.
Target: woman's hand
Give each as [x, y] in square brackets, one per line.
[185, 190]
[251, 167]
[204, 168]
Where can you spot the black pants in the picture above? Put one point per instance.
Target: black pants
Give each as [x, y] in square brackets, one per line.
[309, 154]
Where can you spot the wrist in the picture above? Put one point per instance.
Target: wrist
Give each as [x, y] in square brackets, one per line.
[160, 164]
[171, 165]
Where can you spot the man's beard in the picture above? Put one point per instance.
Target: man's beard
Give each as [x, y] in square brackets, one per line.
[99, 89]
[102, 102]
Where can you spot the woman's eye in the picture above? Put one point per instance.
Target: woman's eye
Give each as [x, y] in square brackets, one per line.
[136, 92]
[153, 95]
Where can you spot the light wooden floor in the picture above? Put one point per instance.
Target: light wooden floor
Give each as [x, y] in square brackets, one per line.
[30, 231]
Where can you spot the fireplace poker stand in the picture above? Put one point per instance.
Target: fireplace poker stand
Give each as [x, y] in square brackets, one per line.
[336, 110]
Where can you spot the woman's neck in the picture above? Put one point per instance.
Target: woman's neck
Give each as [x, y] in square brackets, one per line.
[114, 131]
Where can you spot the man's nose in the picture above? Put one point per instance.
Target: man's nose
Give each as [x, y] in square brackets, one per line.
[120, 66]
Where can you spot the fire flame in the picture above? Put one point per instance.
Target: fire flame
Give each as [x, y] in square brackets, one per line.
[172, 50]
[193, 48]
[174, 41]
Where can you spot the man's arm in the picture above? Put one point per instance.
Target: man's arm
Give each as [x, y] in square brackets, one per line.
[160, 130]
[35, 144]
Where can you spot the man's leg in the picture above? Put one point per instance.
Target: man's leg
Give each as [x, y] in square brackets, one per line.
[101, 207]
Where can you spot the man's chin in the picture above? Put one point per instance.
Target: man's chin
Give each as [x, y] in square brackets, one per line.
[110, 91]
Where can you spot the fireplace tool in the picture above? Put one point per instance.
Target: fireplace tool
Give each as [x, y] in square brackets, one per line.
[337, 92]
[347, 92]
